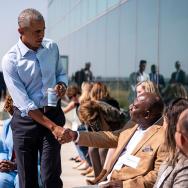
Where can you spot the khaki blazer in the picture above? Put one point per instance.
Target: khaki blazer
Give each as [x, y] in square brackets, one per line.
[175, 176]
[150, 150]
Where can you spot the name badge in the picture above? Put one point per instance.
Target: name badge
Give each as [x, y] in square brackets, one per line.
[130, 160]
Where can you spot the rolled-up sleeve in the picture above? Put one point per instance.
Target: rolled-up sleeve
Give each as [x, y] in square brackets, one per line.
[16, 87]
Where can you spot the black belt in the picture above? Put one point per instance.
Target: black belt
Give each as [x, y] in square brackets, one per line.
[46, 109]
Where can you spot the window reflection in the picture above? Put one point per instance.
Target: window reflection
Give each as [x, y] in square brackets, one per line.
[115, 35]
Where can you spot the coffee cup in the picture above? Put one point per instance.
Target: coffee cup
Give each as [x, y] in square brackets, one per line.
[52, 97]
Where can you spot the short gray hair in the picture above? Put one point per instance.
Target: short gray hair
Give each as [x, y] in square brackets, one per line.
[27, 15]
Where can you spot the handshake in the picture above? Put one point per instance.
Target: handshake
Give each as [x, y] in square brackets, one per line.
[64, 135]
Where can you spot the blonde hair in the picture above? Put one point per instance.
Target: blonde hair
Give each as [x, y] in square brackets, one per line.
[148, 86]
[85, 90]
[99, 91]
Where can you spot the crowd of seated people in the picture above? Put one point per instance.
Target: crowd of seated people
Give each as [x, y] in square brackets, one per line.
[138, 140]
[104, 137]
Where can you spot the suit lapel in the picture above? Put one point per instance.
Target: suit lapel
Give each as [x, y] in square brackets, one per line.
[124, 138]
[149, 133]
[127, 134]
[168, 170]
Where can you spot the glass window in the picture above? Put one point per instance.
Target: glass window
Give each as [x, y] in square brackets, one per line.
[112, 2]
[65, 62]
[84, 11]
[101, 6]
[92, 9]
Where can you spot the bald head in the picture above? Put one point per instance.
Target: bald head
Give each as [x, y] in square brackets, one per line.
[153, 103]
[146, 109]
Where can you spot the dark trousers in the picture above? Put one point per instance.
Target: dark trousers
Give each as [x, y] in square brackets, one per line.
[30, 138]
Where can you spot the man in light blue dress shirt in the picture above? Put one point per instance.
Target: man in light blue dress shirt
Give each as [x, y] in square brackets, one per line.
[31, 67]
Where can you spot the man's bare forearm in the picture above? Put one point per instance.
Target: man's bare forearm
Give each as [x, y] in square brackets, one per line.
[42, 119]
[56, 130]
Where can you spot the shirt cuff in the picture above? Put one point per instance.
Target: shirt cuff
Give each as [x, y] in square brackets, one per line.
[26, 111]
[78, 137]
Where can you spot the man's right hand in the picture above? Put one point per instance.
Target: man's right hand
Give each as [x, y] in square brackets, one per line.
[68, 136]
[58, 132]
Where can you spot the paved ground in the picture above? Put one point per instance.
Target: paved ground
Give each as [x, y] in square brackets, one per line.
[71, 177]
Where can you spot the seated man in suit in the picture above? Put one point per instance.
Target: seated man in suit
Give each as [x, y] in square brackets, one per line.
[139, 148]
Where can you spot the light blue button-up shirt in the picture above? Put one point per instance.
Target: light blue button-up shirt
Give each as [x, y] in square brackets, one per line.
[28, 74]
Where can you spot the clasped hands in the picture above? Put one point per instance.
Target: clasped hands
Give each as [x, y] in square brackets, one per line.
[7, 166]
[64, 135]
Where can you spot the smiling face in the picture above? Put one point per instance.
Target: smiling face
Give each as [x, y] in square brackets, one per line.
[138, 109]
[146, 109]
[33, 35]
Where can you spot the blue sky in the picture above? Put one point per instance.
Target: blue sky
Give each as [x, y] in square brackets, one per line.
[9, 11]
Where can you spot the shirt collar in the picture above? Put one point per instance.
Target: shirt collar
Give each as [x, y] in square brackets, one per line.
[139, 128]
[24, 49]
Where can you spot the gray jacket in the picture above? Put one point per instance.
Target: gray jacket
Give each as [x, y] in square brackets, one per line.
[175, 176]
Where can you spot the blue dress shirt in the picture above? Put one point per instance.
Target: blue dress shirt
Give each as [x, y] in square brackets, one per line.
[28, 74]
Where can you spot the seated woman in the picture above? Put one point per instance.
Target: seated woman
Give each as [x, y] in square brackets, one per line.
[99, 115]
[73, 93]
[99, 92]
[8, 173]
[175, 169]
[8, 167]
